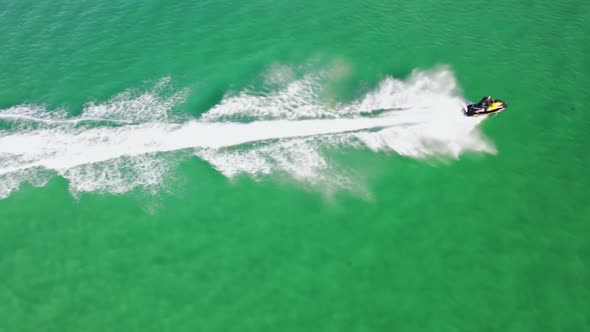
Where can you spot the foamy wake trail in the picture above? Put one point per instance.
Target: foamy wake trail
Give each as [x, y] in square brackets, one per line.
[125, 142]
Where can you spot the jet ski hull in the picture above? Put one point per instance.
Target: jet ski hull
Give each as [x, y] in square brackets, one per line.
[497, 106]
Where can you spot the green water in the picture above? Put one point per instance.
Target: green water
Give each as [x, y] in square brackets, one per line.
[484, 242]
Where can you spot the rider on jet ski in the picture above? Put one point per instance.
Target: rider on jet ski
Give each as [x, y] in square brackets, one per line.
[486, 105]
[485, 102]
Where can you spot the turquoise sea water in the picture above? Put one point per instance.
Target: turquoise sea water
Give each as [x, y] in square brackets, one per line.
[293, 166]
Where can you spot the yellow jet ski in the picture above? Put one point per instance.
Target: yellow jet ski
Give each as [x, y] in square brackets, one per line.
[486, 106]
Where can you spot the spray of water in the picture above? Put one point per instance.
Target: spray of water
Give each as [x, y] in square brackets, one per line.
[123, 143]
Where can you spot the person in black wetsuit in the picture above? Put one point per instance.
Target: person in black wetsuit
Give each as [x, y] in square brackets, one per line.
[486, 102]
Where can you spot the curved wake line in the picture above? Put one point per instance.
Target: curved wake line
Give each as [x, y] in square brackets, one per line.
[30, 118]
[416, 117]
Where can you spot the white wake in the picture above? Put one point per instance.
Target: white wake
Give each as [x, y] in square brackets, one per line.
[122, 144]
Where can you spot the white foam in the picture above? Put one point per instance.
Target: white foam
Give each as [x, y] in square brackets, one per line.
[298, 100]
[426, 121]
[128, 107]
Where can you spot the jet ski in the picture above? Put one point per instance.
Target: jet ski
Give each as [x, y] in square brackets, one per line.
[486, 106]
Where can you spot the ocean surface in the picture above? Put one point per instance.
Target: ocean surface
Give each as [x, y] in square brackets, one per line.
[294, 166]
